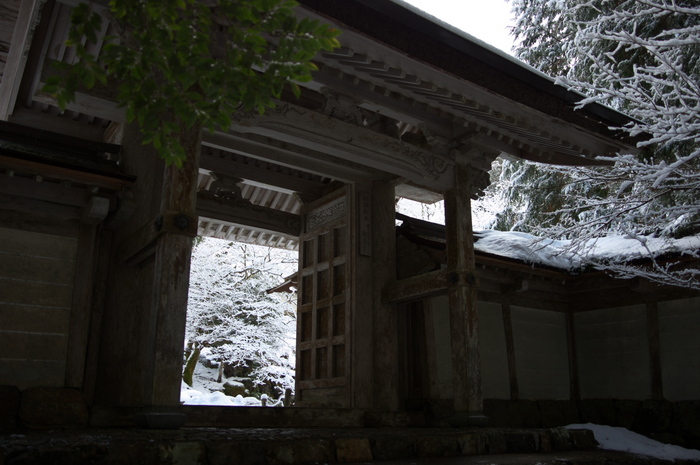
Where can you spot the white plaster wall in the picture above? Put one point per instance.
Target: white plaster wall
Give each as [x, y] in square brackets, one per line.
[492, 346]
[613, 353]
[679, 341]
[541, 356]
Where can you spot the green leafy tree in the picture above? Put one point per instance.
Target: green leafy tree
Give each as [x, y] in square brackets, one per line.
[191, 61]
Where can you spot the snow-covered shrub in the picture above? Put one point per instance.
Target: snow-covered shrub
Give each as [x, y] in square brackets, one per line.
[231, 315]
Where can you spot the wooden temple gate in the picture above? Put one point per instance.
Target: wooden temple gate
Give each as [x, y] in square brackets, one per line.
[404, 108]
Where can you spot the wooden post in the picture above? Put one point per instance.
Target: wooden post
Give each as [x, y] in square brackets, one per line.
[464, 316]
[140, 361]
[172, 272]
[383, 272]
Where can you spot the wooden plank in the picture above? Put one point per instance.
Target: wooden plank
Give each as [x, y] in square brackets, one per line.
[15, 291]
[27, 267]
[33, 345]
[29, 318]
[37, 244]
[510, 352]
[657, 391]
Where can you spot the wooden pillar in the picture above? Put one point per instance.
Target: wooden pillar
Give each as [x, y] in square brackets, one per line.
[142, 335]
[464, 317]
[386, 328]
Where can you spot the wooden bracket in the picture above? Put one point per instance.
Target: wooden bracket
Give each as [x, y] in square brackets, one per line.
[140, 245]
[96, 210]
[426, 285]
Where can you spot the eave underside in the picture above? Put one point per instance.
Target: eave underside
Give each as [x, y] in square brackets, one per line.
[372, 113]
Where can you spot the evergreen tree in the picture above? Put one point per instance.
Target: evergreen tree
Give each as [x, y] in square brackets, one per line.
[641, 57]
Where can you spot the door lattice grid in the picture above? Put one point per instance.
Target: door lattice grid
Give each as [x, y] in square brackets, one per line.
[323, 313]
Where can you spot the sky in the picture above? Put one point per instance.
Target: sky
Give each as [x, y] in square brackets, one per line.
[487, 20]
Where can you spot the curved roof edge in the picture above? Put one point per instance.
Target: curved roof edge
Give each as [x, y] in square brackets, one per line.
[467, 46]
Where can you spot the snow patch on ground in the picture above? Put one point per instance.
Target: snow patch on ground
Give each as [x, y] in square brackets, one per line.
[192, 396]
[621, 439]
[206, 390]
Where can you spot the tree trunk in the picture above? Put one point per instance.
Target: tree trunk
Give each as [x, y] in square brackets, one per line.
[191, 363]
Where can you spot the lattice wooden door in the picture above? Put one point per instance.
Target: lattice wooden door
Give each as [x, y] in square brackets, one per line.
[324, 306]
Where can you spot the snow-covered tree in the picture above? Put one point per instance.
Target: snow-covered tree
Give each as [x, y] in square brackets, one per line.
[230, 311]
[641, 57]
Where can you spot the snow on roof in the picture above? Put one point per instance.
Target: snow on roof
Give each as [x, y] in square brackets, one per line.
[561, 254]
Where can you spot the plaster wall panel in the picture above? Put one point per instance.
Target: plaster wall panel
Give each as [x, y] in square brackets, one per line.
[679, 326]
[541, 356]
[494, 358]
[36, 288]
[441, 323]
[613, 353]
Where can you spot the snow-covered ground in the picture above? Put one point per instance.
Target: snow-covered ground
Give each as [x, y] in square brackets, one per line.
[621, 439]
[206, 390]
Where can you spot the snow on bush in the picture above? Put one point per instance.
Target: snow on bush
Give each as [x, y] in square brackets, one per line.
[232, 318]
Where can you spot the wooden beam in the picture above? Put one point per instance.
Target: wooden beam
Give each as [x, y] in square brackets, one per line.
[224, 164]
[426, 285]
[246, 214]
[348, 142]
[56, 193]
[292, 156]
[17, 57]
[106, 181]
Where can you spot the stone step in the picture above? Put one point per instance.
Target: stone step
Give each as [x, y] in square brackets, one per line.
[214, 446]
